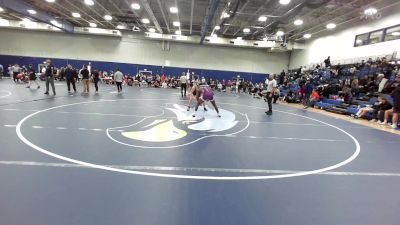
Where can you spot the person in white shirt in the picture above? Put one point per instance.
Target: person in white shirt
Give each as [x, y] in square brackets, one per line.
[118, 78]
[271, 86]
[183, 81]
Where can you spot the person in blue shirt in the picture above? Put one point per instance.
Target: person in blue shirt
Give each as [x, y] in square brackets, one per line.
[307, 93]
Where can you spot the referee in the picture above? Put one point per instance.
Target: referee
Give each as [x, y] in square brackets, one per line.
[49, 77]
[271, 88]
[183, 82]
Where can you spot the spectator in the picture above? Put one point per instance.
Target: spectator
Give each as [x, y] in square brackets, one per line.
[396, 106]
[70, 74]
[219, 86]
[16, 70]
[1, 71]
[307, 94]
[315, 97]
[380, 108]
[49, 74]
[96, 78]
[327, 62]
[277, 93]
[271, 86]
[118, 77]
[85, 79]
[377, 109]
[282, 77]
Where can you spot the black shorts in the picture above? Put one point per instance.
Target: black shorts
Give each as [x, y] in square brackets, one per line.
[396, 109]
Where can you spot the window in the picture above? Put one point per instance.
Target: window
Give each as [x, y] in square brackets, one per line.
[376, 37]
[392, 33]
[361, 40]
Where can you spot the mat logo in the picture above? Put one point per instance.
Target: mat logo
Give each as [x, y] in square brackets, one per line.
[176, 128]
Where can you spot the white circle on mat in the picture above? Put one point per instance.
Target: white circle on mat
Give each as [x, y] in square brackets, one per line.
[194, 177]
[7, 93]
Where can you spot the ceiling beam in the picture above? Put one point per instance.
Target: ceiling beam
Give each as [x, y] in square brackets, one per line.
[266, 5]
[63, 9]
[235, 17]
[21, 7]
[80, 10]
[323, 23]
[191, 17]
[149, 11]
[177, 15]
[163, 15]
[337, 9]
[139, 25]
[274, 24]
[208, 19]
[356, 17]
[105, 10]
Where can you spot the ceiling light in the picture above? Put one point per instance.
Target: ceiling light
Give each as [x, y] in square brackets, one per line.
[108, 17]
[178, 32]
[89, 2]
[246, 30]
[298, 22]
[238, 41]
[331, 26]
[76, 15]
[152, 30]
[396, 33]
[50, 1]
[145, 20]
[173, 10]
[135, 6]
[121, 27]
[31, 11]
[280, 33]
[176, 23]
[262, 18]
[284, 2]
[26, 20]
[217, 27]
[1, 9]
[370, 11]
[307, 36]
[225, 15]
[92, 25]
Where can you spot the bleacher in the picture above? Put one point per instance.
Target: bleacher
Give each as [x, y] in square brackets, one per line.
[332, 104]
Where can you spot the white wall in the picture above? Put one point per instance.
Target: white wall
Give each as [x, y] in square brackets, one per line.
[131, 49]
[340, 45]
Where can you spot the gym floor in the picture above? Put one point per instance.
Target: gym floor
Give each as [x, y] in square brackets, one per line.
[140, 158]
